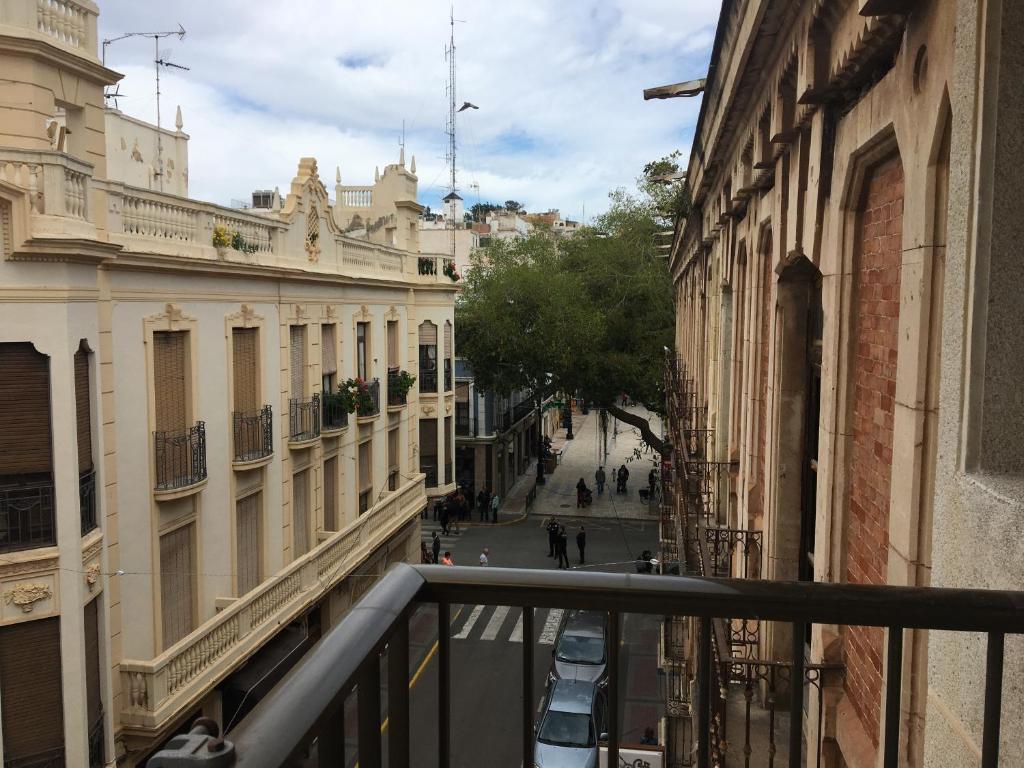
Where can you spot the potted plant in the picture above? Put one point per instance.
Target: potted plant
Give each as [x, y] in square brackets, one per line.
[399, 384]
[449, 270]
[221, 240]
[354, 396]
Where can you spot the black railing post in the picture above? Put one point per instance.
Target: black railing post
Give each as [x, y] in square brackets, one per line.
[398, 694]
[704, 664]
[369, 712]
[993, 700]
[444, 642]
[613, 687]
[330, 746]
[796, 696]
[528, 713]
[893, 689]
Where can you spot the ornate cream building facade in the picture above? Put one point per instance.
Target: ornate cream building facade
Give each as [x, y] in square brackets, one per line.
[183, 502]
[848, 338]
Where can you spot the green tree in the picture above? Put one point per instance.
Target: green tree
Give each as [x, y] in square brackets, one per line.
[480, 210]
[590, 315]
[512, 206]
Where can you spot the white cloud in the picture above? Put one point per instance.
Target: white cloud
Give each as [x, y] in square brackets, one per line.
[561, 118]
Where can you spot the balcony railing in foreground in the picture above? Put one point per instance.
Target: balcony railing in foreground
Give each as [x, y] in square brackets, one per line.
[305, 711]
[160, 689]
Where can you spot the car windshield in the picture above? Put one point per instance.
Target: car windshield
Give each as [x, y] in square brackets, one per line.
[566, 729]
[578, 649]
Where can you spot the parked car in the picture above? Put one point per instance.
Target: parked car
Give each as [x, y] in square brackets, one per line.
[571, 727]
[581, 649]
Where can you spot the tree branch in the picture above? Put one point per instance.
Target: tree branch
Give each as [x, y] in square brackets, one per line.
[643, 425]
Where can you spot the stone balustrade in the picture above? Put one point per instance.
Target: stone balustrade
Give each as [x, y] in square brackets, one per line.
[156, 691]
[356, 197]
[56, 184]
[70, 23]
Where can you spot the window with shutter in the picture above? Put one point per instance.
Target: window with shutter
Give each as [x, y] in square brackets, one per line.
[365, 475]
[25, 441]
[393, 359]
[428, 334]
[31, 700]
[362, 349]
[169, 370]
[393, 469]
[248, 542]
[177, 583]
[447, 340]
[428, 450]
[329, 357]
[244, 342]
[83, 411]
[297, 358]
[93, 694]
[330, 494]
[300, 513]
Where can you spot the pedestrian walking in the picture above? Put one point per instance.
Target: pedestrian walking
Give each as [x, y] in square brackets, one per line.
[483, 505]
[444, 517]
[435, 546]
[652, 482]
[552, 527]
[622, 477]
[581, 543]
[447, 559]
[483, 557]
[563, 547]
[581, 494]
[599, 478]
[495, 501]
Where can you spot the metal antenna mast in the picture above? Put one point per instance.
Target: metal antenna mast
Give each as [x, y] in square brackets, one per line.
[450, 55]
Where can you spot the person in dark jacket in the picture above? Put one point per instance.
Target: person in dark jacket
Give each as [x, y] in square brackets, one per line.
[581, 493]
[622, 477]
[552, 527]
[445, 511]
[599, 478]
[563, 547]
[483, 505]
[435, 546]
[581, 543]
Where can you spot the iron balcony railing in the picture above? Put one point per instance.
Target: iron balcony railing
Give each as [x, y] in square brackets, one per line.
[513, 415]
[428, 466]
[304, 419]
[395, 396]
[428, 381]
[87, 500]
[253, 432]
[27, 513]
[333, 414]
[462, 419]
[305, 712]
[374, 389]
[180, 457]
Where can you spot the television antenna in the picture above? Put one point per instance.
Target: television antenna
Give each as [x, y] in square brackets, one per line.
[158, 61]
[449, 53]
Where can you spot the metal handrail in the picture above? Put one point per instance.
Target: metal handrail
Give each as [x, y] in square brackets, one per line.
[180, 457]
[254, 434]
[304, 418]
[308, 703]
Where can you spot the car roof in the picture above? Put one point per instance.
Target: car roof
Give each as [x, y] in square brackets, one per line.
[572, 696]
[585, 623]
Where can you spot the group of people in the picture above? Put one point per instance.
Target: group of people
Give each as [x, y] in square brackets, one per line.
[621, 477]
[558, 542]
[453, 509]
[487, 502]
[433, 555]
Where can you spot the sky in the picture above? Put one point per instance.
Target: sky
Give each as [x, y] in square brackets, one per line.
[561, 118]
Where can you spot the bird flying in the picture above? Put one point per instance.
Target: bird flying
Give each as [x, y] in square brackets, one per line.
[467, 105]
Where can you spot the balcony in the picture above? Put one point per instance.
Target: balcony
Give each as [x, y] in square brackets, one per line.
[333, 416]
[158, 690]
[447, 375]
[180, 458]
[396, 397]
[462, 419]
[305, 714]
[428, 466]
[253, 434]
[373, 409]
[27, 518]
[426, 265]
[87, 500]
[428, 381]
[513, 415]
[304, 419]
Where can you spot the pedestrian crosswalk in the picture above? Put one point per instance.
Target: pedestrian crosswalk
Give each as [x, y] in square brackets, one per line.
[505, 624]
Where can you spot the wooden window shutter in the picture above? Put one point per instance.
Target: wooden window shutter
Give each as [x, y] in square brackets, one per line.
[169, 380]
[300, 513]
[330, 494]
[462, 392]
[393, 449]
[25, 441]
[297, 357]
[31, 699]
[393, 361]
[366, 466]
[428, 438]
[93, 694]
[447, 340]
[244, 344]
[328, 347]
[247, 542]
[447, 439]
[83, 411]
[428, 333]
[177, 583]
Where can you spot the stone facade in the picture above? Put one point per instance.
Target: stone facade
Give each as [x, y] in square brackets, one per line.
[839, 283]
[139, 302]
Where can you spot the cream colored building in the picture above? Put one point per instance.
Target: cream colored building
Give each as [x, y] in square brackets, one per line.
[847, 290]
[179, 500]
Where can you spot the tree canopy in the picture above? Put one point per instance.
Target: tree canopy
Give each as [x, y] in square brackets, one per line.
[589, 314]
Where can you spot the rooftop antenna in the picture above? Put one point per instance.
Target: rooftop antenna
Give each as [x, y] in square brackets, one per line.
[450, 56]
[157, 63]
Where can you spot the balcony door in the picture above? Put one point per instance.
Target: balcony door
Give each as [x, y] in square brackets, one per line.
[170, 383]
[297, 361]
[31, 698]
[177, 584]
[393, 360]
[244, 343]
[362, 350]
[428, 356]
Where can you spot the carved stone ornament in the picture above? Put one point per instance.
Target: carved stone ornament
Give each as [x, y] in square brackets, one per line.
[26, 594]
[92, 575]
[448, 406]
[428, 410]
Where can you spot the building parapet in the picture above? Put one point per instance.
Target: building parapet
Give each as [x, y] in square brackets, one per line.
[159, 690]
[68, 23]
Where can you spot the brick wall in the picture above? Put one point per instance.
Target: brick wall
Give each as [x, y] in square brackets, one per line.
[873, 384]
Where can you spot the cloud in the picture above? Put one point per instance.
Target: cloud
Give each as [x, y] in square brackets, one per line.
[561, 119]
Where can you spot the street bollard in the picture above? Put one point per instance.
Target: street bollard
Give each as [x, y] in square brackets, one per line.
[202, 747]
